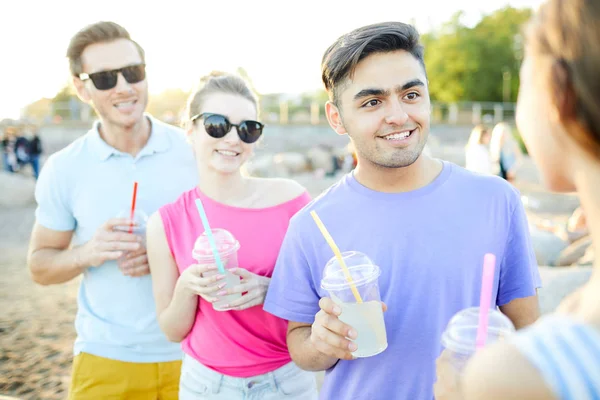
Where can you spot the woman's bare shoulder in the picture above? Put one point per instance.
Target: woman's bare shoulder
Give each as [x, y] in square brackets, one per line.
[503, 372]
[279, 190]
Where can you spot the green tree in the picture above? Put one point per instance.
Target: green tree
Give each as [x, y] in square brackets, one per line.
[302, 105]
[499, 36]
[169, 104]
[65, 103]
[448, 62]
[468, 64]
[38, 110]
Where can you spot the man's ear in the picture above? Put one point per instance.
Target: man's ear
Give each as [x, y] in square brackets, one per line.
[82, 90]
[334, 117]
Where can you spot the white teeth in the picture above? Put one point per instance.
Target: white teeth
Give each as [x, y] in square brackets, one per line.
[227, 153]
[124, 104]
[398, 136]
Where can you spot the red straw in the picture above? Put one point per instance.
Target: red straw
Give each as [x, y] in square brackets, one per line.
[487, 283]
[135, 186]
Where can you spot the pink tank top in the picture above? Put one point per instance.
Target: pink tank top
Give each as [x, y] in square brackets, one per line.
[234, 343]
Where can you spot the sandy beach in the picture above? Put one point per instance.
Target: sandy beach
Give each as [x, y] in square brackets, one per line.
[36, 323]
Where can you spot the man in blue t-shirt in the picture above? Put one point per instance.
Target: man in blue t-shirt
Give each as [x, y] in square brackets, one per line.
[120, 351]
[426, 223]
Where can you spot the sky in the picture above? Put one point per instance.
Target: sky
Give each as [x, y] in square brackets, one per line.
[279, 43]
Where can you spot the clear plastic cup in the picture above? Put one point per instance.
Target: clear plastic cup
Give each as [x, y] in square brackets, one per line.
[365, 318]
[137, 226]
[460, 335]
[227, 246]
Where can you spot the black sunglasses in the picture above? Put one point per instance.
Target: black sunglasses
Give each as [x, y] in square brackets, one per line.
[105, 80]
[217, 126]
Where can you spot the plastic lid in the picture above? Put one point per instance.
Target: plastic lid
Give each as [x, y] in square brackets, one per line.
[226, 244]
[461, 331]
[140, 218]
[361, 269]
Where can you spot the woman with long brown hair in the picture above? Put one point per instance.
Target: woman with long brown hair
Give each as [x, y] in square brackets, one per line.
[558, 113]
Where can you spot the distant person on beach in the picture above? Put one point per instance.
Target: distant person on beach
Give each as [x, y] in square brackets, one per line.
[238, 351]
[9, 156]
[558, 113]
[22, 148]
[120, 351]
[34, 151]
[426, 223]
[477, 151]
[505, 152]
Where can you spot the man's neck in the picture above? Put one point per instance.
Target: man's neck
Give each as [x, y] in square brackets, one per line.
[396, 180]
[126, 139]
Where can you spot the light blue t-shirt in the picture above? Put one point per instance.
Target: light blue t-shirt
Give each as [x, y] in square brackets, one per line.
[430, 244]
[566, 353]
[79, 189]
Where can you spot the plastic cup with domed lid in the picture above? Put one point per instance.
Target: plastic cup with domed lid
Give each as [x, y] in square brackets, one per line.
[227, 247]
[136, 225]
[460, 336]
[359, 299]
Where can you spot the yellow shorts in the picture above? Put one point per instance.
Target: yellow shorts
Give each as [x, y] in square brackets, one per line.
[96, 378]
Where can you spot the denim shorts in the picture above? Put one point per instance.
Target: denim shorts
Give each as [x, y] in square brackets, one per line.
[287, 382]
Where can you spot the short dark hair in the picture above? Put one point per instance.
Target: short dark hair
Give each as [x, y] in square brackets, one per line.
[342, 57]
[100, 32]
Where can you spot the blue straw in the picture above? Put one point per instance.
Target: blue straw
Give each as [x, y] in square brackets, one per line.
[209, 235]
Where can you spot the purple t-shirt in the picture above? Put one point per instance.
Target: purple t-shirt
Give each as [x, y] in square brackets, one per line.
[429, 244]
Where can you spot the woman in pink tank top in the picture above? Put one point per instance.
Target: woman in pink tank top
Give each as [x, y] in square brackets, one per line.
[237, 351]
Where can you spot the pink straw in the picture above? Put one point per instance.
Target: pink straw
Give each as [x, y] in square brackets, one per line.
[487, 283]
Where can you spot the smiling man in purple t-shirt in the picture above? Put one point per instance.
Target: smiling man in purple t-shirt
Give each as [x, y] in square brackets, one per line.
[426, 223]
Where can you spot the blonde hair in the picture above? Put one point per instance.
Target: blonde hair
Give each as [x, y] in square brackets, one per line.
[477, 135]
[217, 82]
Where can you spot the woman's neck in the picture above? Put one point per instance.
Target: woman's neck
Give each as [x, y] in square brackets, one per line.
[230, 189]
[587, 181]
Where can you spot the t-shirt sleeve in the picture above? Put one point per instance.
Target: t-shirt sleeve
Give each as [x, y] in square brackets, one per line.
[519, 274]
[53, 210]
[292, 294]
